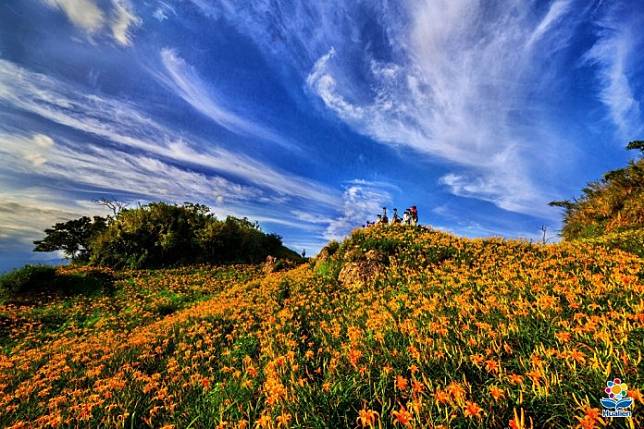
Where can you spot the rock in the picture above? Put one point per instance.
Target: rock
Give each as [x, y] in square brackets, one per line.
[364, 271]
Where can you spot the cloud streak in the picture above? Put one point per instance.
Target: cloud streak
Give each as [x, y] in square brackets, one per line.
[612, 55]
[109, 146]
[82, 13]
[452, 80]
[462, 108]
[123, 21]
[362, 201]
[182, 79]
[109, 169]
[122, 123]
[489, 108]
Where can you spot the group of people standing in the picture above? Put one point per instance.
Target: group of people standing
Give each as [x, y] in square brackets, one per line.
[410, 217]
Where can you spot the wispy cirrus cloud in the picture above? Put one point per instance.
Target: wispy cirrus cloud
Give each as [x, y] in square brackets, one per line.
[483, 107]
[139, 175]
[362, 201]
[24, 214]
[110, 147]
[121, 122]
[457, 87]
[615, 54]
[452, 80]
[82, 13]
[556, 12]
[123, 20]
[163, 10]
[182, 79]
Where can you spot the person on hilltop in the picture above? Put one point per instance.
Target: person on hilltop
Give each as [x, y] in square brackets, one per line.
[378, 220]
[413, 212]
[384, 218]
[406, 220]
[395, 219]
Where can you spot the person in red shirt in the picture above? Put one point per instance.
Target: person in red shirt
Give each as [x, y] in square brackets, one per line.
[414, 215]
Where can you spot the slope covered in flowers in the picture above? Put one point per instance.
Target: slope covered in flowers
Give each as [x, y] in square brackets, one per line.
[397, 326]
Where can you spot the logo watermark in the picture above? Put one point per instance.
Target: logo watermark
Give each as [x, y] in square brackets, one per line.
[618, 403]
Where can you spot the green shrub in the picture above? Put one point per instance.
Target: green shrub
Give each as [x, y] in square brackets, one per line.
[29, 278]
[43, 278]
[332, 247]
[237, 240]
[159, 234]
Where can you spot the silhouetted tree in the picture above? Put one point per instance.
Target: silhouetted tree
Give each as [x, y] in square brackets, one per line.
[114, 205]
[636, 145]
[73, 237]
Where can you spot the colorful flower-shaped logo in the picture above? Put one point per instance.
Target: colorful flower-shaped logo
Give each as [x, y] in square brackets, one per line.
[616, 391]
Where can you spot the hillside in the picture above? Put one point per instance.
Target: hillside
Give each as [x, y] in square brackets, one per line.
[610, 210]
[396, 326]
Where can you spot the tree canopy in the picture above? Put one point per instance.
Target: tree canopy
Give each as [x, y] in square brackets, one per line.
[73, 238]
[614, 203]
[161, 234]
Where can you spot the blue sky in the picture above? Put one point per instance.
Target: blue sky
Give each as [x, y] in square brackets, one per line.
[310, 116]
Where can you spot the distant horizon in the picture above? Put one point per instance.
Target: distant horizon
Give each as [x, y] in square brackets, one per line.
[311, 117]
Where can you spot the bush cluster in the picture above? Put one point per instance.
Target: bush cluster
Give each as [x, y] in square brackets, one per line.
[27, 278]
[160, 234]
[44, 278]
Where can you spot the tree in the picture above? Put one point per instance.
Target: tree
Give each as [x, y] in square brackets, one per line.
[612, 204]
[636, 145]
[160, 234]
[73, 237]
[114, 205]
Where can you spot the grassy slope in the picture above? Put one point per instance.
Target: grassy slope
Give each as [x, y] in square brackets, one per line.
[398, 324]
[609, 206]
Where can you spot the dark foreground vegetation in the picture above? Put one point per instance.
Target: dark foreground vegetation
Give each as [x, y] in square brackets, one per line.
[23, 283]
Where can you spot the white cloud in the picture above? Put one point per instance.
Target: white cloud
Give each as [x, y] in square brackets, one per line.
[122, 123]
[460, 76]
[135, 178]
[613, 55]
[122, 22]
[361, 203]
[88, 16]
[161, 13]
[25, 214]
[43, 140]
[325, 86]
[507, 192]
[115, 170]
[137, 160]
[182, 78]
[557, 10]
[34, 150]
[309, 217]
[82, 13]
